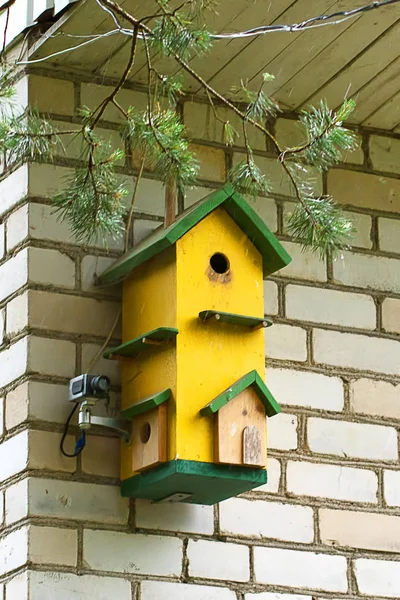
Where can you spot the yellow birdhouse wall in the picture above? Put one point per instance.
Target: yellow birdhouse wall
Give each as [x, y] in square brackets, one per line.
[211, 356]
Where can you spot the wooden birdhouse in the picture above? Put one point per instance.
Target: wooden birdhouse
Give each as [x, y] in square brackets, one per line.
[192, 357]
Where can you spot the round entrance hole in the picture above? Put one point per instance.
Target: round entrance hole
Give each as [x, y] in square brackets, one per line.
[219, 263]
[145, 433]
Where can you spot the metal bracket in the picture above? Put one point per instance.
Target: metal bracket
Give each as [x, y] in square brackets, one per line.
[86, 420]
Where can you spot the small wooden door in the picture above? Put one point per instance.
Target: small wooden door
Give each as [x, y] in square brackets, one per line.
[240, 433]
[149, 435]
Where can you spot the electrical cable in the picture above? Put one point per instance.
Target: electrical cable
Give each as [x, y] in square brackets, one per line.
[80, 443]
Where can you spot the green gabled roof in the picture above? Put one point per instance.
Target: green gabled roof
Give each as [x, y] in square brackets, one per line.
[149, 403]
[253, 380]
[274, 255]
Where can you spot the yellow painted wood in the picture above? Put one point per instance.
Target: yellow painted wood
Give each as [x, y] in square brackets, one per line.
[231, 421]
[149, 301]
[210, 356]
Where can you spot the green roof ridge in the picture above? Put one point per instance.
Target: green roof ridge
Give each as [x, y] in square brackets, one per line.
[251, 379]
[143, 406]
[273, 253]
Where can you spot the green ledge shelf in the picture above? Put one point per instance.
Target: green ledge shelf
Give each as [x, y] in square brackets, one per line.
[148, 341]
[234, 319]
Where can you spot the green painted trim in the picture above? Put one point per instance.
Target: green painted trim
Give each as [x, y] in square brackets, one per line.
[143, 406]
[138, 345]
[206, 483]
[234, 319]
[250, 379]
[274, 255]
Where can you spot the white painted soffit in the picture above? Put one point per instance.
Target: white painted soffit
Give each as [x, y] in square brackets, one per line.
[25, 13]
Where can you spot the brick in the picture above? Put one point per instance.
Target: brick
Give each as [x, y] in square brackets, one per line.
[389, 235]
[66, 586]
[271, 306]
[86, 502]
[212, 162]
[355, 440]
[13, 550]
[329, 306]
[91, 268]
[377, 577]
[150, 197]
[2, 240]
[363, 224]
[13, 362]
[371, 397]
[201, 124]
[273, 596]
[294, 568]
[92, 95]
[143, 228]
[50, 95]
[304, 265]
[53, 545]
[49, 356]
[1, 416]
[194, 194]
[286, 342]
[266, 209]
[189, 518]
[356, 351]
[17, 227]
[45, 454]
[72, 314]
[384, 153]
[139, 554]
[368, 531]
[156, 590]
[17, 314]
[302, 388]
[37, 401]
[282, 432]
[17, 587]
[101, 456]
[262, 519]
[391, 486]
[13, 455]
[370, 272]
[289, 133]
[277, 177]
[13, 274]
[364, 190]
[45, 224]
[16, 502]
[274, 477]
[331, 481]
[51, 267]
[14, 188]
[1, 511]
[111, 368]
[2, 324]
[391, 315]
[47, 180]
[218, 560]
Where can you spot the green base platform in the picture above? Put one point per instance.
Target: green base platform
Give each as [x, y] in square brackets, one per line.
[193, 482]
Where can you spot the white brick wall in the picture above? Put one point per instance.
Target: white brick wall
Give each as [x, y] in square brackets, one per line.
[389, 235]
[273, 596]
[369, 531]
[368, 272]
[304, 265]
[302, 388]
[138, 554]
[52, 545]
[13, 455]
[331, 481]
[391, 486]
[13, 550]
[274, 475]
[300, 569]
[357, 351]
[356, 440]
[175, 517]
[378, 577]
[391, 315]
[286, 342]
[372, 397]
[66, 586]
[158, 590]
[262, 519]
[217, 560]
[282, 432]
[331, 307]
